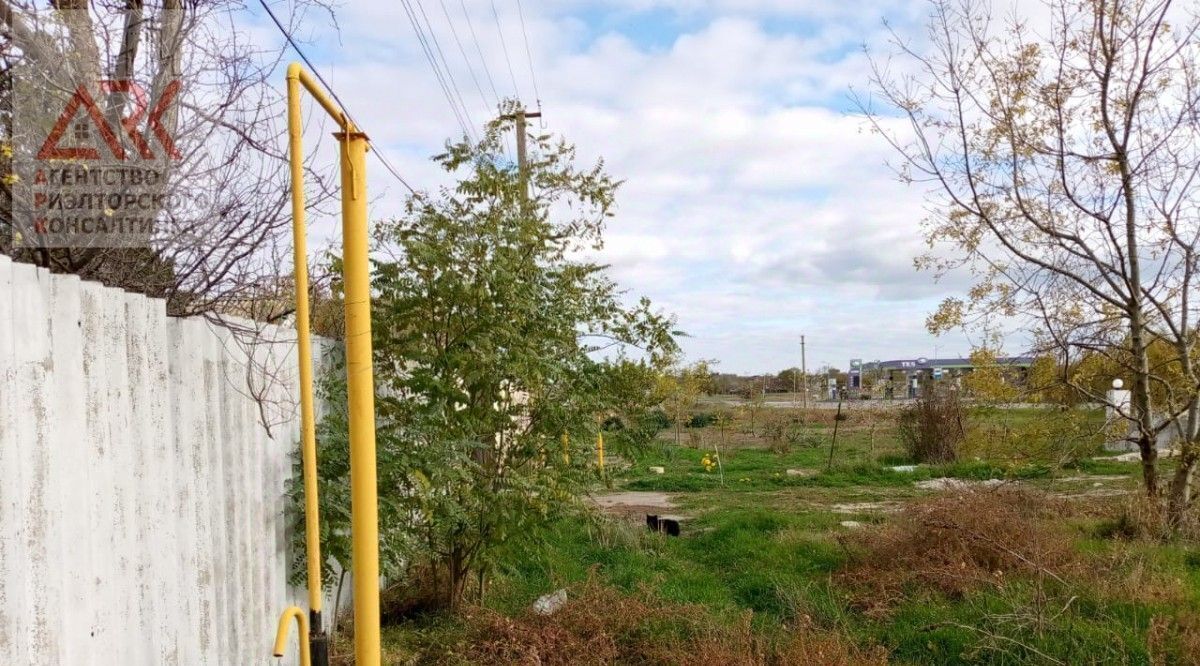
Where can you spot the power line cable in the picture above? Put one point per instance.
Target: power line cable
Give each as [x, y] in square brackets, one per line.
[505, 144]
[504, 45]
[446, 67]
[432, 60]
[332, 93]
[462, 51]
[529, 54]
[479, 49]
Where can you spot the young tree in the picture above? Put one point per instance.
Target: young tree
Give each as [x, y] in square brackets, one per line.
[1064, 159]
[679, 389]
[487, 325]
[753, 407]
[633, 416]
[989, 381]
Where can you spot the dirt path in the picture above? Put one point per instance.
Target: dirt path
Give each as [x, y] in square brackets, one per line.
[634, 503]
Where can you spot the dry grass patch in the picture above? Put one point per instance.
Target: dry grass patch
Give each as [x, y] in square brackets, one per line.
[956, 542]
[1174, 640]
[601, 625]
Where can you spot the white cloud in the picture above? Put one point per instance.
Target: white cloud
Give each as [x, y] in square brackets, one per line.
[754, 207]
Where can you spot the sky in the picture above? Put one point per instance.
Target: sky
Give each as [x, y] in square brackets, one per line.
[757, 205]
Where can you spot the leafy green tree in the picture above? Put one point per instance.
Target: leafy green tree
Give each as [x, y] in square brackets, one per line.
[488, 327]
[634, 416]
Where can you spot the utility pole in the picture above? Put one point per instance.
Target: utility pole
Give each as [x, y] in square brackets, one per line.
[520, 118]
[804, 371]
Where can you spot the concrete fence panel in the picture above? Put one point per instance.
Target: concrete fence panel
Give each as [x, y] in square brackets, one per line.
[143, 463]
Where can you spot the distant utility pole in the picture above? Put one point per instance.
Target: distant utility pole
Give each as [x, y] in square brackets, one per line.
[804, 371]
[520, 118]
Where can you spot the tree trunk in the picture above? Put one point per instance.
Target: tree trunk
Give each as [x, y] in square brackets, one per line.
[457, 583]
[1141, 402]
[1181, 486]
[1189, 455]
[1142, 412]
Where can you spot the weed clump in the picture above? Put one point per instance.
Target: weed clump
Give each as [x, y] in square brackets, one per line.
[1144, 519]
[602, 625]
[932, 429]
[955, 542]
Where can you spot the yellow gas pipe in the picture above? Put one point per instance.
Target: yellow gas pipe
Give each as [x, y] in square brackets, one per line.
[364, 507]
[281, 634]
[600, 452]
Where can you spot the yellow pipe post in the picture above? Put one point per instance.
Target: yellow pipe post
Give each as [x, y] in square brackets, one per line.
[364, 506]
[600, 451]
[308, 441]
[364, 501]
[281, 634]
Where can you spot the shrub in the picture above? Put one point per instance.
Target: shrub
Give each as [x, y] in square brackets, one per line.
[1144, 519]
[1054, 436]
[784, 432]
[702, 420]
[932, 429]
[657, 420]
[955, 542]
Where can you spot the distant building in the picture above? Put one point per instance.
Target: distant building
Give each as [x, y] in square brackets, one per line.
[905, 377]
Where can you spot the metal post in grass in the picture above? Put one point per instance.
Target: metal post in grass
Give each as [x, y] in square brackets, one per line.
[837, 419]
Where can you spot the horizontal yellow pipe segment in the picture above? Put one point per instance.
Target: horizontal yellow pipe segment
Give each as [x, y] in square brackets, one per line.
[296, 72]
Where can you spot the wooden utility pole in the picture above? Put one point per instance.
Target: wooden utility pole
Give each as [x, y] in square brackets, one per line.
[804, 371]
[520, 117]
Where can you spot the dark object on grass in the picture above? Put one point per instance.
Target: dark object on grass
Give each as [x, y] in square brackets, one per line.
[663, 524]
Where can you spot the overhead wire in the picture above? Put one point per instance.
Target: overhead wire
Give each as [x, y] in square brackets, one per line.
[333, 93]
[463, 51]
[504, 46]
[529, 55]
[505, 145]
[479, 49]
[430, 57]
[446, 67]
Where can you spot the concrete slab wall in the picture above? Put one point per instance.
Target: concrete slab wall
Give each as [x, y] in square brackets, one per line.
[142, 468]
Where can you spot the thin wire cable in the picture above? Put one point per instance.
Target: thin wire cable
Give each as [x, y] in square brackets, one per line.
[505, 145]
[504, 45]
[332, 93]
[449, 74]
[437, 72]
[479, 49]
[529, 54]
[463, 52]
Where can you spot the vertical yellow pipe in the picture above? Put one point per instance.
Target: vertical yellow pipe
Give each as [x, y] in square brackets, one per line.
[308, 439]
[600, 451]
[364, 507]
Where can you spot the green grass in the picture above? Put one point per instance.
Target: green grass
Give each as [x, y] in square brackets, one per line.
[769, 543]
[759, 469]
[746, 554]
